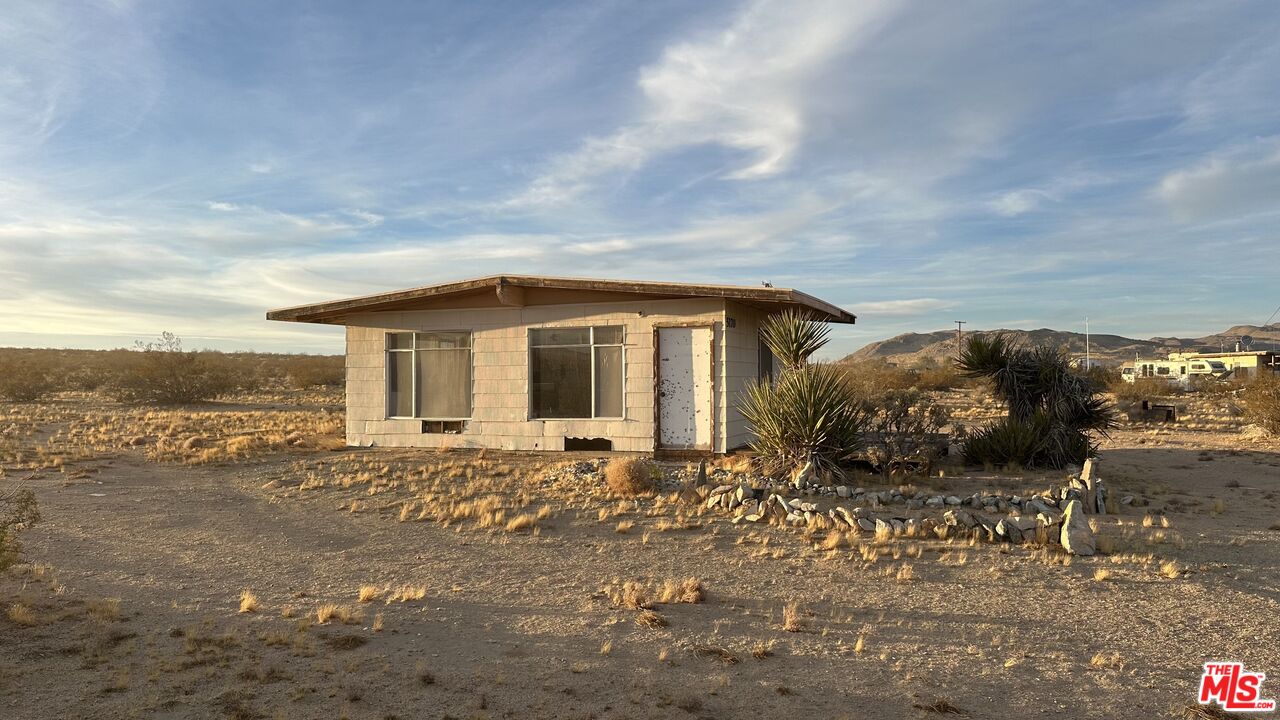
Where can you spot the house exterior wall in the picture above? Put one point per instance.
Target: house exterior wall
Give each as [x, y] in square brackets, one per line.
[739, 369]
[500, 376]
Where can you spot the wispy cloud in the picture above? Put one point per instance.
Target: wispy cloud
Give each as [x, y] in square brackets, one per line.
[1231, 183]
[742, 87]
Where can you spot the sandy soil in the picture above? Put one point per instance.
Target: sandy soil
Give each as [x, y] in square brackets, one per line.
[517, 624]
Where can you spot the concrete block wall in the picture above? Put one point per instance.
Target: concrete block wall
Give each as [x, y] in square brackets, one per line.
[500, 374]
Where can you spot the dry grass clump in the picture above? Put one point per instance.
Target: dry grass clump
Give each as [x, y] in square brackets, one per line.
[21, 614]
[941, 706]
[689, 590]
[331, 611]
[368, 593]
[650, 619]
[632, 476]
[523, 521]
[248, 601]
[1101, 574]
[715, 653]
[1171, 570]
[103, 609]
[762, 649]
[792, 620]
[406, 593]
[634, 595]
[1107, 660]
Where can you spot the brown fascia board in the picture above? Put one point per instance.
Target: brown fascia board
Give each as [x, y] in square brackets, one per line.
[332, 311]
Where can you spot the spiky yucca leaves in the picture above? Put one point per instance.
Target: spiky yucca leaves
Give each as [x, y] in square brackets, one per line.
[792, 336]
[1045, 398]
[807, 412]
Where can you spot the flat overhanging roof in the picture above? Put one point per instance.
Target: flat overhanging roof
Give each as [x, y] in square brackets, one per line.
[519, 290]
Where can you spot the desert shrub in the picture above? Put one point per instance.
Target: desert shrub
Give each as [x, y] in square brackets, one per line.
[163, 373]
[18, 511]
[871, 377]
[1143, 388]
[1052, 409]
[1211, 388]
[906, 424]
[810, 412]
[1261, 399]
[24, 378]
[632, 476]
[304, 371]
[944, 377]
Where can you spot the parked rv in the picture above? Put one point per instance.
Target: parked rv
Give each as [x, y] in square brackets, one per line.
[1176, 371]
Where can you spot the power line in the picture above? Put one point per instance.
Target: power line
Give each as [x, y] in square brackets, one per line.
[1273, 316]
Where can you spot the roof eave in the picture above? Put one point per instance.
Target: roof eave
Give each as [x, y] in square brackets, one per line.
[333, 311]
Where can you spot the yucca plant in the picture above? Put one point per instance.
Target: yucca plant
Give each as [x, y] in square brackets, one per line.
[1052, 409]
[809, 411]
[793, 336]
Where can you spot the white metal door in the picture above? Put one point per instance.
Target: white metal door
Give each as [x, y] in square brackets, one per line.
[685, 388]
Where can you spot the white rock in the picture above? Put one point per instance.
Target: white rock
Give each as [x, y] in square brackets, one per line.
[1077, 537]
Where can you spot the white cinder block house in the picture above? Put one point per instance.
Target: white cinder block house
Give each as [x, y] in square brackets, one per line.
[544, 363]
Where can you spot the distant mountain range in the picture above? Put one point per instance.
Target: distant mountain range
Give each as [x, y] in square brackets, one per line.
[911, 349]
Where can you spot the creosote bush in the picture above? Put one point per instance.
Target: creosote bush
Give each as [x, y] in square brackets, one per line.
[632, 476]
[24, 378]
[1261, 399]
[907, 424]
[163, 373]
[18, 511]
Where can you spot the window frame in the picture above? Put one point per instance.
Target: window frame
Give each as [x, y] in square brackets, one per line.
[412, 351]
[591, 344]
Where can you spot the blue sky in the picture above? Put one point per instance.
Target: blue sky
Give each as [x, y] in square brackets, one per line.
[186, 166]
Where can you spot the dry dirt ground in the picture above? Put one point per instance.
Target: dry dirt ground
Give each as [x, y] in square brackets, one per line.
[129, 604]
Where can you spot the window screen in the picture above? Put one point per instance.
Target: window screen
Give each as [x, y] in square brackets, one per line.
[576, 372]
[429, 375]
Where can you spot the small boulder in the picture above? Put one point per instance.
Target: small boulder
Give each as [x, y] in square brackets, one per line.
[1077, 537]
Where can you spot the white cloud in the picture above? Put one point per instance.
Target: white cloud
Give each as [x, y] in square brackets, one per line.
[743, 88]
[223, 206]
[913, 306]
[1230, 184]
[1017, 202]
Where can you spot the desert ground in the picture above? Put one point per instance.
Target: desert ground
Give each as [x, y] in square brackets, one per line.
[233, 560]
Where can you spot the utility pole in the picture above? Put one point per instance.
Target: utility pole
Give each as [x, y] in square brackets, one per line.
[959, 335]
[1087, 366]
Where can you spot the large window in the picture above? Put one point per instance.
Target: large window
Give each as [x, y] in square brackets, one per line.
[576, 372]
[429, 375]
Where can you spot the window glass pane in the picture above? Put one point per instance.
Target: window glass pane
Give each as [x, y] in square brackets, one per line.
[397, 341]
[609, 335]
[560, 382]
[609, 381]
[444, 383]
[764, 361]
[400, 384]
[559, 336]
[443, 340]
